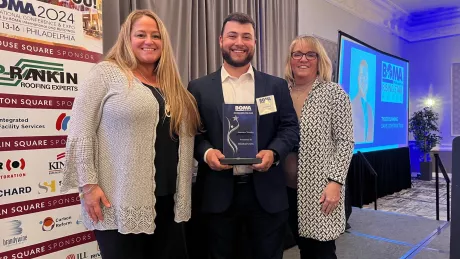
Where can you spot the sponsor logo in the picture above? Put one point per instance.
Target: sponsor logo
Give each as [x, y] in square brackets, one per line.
[77, 256]
[392, 89]
[18, 123]
[19, 6]
[15, 166]
[15, 191]
[49, 223]
[35, 74]
[62, 122]
[242, 108]
[47, 187]
[12, 164]
[392, 72]
[14, 232]
[56, 167]
[83, 256]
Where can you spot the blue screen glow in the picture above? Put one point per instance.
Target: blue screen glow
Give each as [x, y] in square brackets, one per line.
[377, 84]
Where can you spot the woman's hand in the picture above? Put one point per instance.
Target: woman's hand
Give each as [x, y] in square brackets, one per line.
[92, 198]
[330, 197]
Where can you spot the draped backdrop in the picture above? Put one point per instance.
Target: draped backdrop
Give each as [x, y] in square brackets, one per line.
[194, 27]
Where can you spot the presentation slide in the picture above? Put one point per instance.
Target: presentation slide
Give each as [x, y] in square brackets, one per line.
[377, 84]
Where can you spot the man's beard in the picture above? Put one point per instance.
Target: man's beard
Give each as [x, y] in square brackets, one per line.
[230, 61]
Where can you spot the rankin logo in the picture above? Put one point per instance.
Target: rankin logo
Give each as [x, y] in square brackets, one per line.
[50, 76]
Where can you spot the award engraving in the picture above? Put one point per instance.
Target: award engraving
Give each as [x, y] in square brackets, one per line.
[240, 134]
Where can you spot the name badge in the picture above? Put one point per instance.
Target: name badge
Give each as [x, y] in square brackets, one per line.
[266, 104]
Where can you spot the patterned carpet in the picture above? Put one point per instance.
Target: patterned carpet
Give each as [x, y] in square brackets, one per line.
[420, 200]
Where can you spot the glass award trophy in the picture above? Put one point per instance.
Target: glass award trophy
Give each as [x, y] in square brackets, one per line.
[240, 134]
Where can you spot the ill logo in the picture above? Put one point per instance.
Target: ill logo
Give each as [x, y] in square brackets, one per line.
[62, 122]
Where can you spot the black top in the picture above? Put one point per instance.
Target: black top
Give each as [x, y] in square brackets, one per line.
[167, 151]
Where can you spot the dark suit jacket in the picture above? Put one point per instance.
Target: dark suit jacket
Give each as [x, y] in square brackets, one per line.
[278, 131]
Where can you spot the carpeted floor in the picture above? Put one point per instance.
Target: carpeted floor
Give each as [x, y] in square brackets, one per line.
[388, 235]
[404, 226]
[420, 200]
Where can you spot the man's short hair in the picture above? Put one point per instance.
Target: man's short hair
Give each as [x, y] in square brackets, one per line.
[241, 18]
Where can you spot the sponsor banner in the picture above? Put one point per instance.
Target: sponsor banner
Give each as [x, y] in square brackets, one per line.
[46, 50]
[31, 229]
[33, 206]
[50, 246]
[27, 74]
[35, 102]
[34, 122]
[32, 142]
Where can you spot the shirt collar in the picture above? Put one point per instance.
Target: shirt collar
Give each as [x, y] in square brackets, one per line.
[224, 74]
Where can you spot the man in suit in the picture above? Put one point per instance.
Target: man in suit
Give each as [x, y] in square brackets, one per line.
[252, 196]
[363, 117]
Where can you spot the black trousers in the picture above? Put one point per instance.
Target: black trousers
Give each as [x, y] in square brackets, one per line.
[166, 243]
[309, 248]
[265, 231]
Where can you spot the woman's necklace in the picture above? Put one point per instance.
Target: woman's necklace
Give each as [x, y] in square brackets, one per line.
[298, 93]
[167, 107]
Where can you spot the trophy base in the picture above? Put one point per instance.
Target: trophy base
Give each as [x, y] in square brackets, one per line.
[240, 161]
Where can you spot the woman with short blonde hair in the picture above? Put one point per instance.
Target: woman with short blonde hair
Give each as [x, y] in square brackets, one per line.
[316, 172]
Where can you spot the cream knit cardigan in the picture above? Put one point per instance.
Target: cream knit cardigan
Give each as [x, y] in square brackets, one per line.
[111, 142]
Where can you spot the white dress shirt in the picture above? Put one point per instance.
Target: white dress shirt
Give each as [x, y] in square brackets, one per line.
[238, 91]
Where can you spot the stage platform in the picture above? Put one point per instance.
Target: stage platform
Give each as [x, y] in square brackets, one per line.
[386, 235]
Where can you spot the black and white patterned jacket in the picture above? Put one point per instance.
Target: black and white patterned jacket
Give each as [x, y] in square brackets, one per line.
[326, 147]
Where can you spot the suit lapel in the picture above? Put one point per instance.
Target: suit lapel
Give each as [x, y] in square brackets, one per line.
[216, 87]
[260, 88]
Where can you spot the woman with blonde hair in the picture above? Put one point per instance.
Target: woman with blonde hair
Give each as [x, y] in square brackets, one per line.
[130, 144]
[316, 172]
